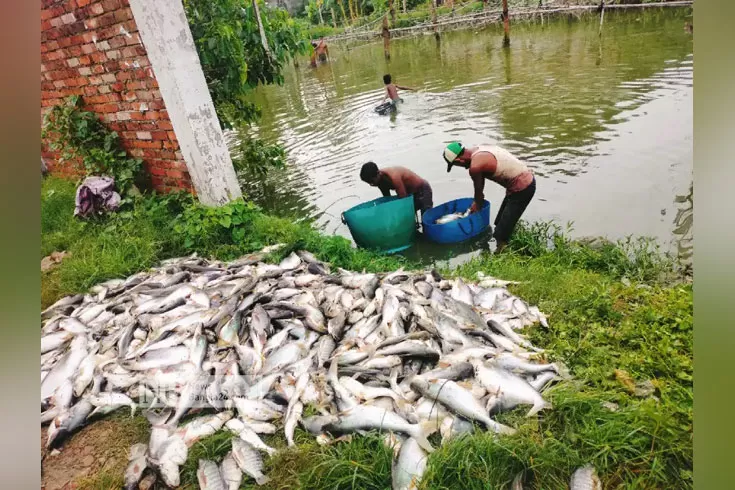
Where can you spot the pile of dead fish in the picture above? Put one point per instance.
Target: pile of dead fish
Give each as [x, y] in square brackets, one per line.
[248, 345]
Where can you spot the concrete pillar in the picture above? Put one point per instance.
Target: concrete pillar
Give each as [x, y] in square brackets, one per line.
[165, 33]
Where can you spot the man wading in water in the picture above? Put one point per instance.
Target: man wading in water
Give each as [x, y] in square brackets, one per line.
[400, 179]
[498, 165]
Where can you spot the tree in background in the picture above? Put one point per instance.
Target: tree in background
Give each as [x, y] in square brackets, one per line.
[234, 55]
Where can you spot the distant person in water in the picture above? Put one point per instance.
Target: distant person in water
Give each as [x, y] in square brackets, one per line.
[391, 90]
[499, 165]
[401, 180]
[321, 51]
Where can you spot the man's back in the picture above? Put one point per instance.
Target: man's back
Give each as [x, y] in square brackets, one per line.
[403, 177]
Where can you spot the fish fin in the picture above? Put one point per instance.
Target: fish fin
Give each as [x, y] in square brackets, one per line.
[262, 480]
[537, 408]
[420, 435]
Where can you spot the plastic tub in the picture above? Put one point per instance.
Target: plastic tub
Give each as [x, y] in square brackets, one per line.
[457, 230]
[386, 224]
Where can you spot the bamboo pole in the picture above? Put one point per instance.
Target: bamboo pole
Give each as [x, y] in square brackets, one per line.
[334, 17]
[261, 30]
[506, 25]
[433, 17]
[342, 8]
[404, 7]
[392, 10]
[602, 15]
[386, 38]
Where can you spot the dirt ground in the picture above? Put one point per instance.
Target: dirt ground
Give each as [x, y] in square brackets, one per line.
[100, 448]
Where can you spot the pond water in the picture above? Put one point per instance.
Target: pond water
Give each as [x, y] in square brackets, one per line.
[605, 122]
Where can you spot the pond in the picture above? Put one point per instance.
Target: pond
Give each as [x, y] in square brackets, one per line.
[605, 122]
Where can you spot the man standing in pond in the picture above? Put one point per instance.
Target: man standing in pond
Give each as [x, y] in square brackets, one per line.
[320, 51]
[499, 165]
[401, 180]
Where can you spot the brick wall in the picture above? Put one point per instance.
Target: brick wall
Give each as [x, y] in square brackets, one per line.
[92, 49]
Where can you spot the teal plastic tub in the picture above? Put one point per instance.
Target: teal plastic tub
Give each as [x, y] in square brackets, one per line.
[386, 224]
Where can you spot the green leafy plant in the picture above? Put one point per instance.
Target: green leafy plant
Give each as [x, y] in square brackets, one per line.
[233, 54]
[78, 134]
[208, 227]
[256, 157]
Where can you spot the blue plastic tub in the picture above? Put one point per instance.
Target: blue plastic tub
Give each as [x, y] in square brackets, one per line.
[457, 230]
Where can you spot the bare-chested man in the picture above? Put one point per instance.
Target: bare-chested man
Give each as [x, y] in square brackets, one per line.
[401, 180]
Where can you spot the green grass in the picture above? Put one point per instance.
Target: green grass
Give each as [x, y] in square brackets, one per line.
[618, 312]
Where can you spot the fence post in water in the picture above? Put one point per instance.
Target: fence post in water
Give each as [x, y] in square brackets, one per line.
[386, 38]
[602, 15]
[506, 25]
[433, 18]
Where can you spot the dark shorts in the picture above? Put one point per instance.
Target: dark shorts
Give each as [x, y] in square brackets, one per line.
[322, 57]
[511, 210]
[423, 198]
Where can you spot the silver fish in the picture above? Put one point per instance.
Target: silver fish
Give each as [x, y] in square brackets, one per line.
[209, 476]
[409, 466]
[459, 401]
[231, 472]
[585, 478]
[508, 390]
[249, 460]
[137, 464]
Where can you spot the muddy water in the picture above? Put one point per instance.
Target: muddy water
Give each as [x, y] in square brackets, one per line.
[604, 122]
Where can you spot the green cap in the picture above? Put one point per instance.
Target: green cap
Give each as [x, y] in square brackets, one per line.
[451, 152]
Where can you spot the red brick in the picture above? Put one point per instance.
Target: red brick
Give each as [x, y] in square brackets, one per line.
[112, 66]
[96, 9]
[157, 105]
[108, 108]
[98, 69]
[117, 87]
[75, 50]
[90, 90]
[159, 135]
[106, 20]
[104, 89]
[113, 54]
[129, 96]
[46, 25]
[124, 75]
[52, 45]
[132, 39]
[95, 80]
[81, 81]
[92, 23]
[165, 125]
[110, 5]
[85, 71]
[109, 77]
[88, 48]
[85, 60]
[77, 40]
[121, 15]
[117, 42]
[46, 14]
[98, 57]
[65, 42]
[83, 3]
[157, 171]
[144, 94]
[146, 144]
[56, 22]
[171, 144]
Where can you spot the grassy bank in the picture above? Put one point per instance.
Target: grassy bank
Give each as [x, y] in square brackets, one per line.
[618, 318]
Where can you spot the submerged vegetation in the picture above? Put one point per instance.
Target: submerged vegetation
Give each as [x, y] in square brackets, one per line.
[620, 320]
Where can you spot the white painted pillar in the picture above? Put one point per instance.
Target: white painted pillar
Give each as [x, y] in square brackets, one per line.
[165, 33]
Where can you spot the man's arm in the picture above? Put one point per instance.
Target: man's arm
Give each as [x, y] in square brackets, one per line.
[384, 188]
[478, 181]
[400, 188]
[405, 88]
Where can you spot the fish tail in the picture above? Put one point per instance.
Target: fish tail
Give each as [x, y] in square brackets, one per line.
[420, 434]
[262, 480]
[537, 408]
